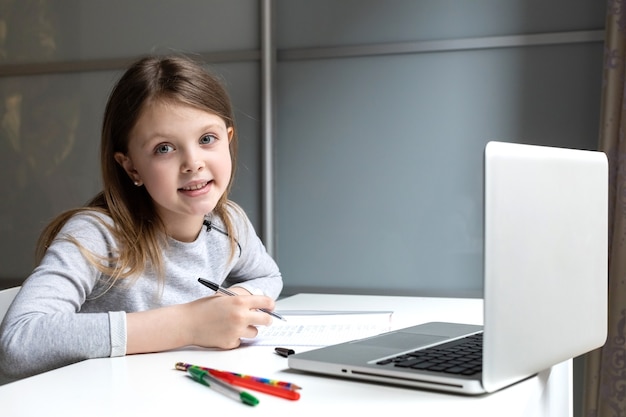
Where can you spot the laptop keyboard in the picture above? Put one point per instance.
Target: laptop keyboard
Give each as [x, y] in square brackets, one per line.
[460, 357]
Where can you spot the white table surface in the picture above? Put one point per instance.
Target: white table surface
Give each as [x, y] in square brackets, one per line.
[148, 385]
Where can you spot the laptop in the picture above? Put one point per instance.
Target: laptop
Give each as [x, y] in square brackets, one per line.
[545, 277]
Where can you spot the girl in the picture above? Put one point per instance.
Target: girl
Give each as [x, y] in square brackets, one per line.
[120, 275]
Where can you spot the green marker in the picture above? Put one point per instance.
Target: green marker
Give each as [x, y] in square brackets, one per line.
[209, 380]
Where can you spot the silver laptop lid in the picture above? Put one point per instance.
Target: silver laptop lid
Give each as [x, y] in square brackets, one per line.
[546, 258]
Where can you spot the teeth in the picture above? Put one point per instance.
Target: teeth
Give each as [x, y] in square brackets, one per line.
[195, 187]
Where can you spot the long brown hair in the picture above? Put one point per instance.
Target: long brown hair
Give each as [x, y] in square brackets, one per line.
[137, 228]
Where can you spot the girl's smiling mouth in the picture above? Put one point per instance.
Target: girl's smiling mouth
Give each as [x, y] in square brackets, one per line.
[195, 187]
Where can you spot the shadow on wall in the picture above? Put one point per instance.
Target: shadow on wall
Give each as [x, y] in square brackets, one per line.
[39, 119]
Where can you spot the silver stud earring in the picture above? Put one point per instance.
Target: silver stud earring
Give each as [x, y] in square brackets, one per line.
[137, 183]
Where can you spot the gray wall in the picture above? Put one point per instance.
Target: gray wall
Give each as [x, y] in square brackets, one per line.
[383, 108]
[379, 153]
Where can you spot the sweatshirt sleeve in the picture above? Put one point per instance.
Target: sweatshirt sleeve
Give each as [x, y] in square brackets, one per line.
[44, 327]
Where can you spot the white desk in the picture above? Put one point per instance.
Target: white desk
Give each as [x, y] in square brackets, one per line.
[147, 385]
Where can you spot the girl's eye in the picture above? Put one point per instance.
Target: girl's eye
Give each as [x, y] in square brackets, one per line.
[164, 148]
[208, 139]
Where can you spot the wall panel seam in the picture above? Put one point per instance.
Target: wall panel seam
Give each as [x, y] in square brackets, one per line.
[295, 54]
[445, 45]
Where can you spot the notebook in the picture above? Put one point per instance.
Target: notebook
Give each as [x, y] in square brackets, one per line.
[545, 273]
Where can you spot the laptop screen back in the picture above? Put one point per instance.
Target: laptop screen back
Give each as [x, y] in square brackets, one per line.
[546, 238]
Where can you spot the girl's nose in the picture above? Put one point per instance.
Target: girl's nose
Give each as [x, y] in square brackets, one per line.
[192, 163]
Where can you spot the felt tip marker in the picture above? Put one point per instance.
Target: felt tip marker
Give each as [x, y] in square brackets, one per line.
[182, 366]
[256, 385]
[222, 387]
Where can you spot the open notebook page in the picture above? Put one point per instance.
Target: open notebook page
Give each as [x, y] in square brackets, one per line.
[321, 328]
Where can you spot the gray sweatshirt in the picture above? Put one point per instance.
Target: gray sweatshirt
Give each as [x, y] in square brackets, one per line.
[65, 311]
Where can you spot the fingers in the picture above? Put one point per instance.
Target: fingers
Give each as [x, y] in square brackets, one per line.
[262, 318]
[250, 332]
[254, 302]
[222, 321]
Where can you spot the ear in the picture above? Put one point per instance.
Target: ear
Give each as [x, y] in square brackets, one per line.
[126, 163]
[231, 132]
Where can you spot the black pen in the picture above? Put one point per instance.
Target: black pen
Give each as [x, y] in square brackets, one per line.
[217, 288]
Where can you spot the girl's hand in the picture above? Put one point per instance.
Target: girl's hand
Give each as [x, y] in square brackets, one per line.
[222, 321]
[214, 321]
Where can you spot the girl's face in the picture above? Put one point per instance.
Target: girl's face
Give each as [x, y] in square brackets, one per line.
[181, 155]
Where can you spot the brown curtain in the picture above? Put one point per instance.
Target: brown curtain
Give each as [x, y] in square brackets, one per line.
[605, 368]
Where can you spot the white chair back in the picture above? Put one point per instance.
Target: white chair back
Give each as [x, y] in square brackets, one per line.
[6, 298]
